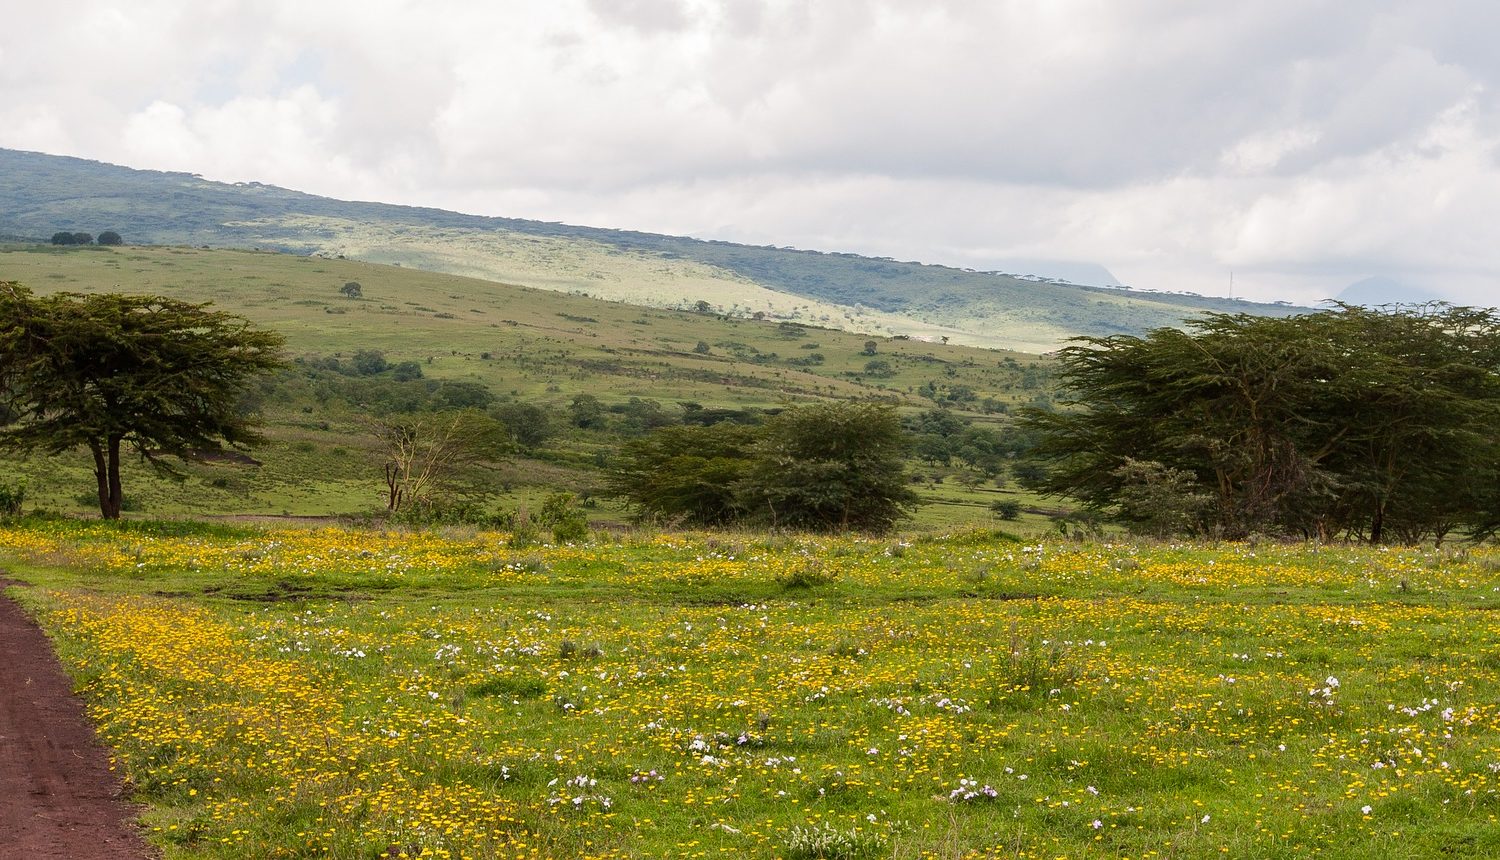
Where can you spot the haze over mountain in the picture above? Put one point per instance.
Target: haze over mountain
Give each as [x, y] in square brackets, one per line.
[1373, 292]
[41, 194]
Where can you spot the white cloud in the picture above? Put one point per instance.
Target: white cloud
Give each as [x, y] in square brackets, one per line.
[1301, 145]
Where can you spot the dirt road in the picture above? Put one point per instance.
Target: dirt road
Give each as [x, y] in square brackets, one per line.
[58, 798]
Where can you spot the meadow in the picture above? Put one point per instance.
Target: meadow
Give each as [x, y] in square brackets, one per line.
[359, 694]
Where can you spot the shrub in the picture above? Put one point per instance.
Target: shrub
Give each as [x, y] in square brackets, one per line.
[561, 513]
[807, 574]
[368, 362]
[11, 498]
[1006, 509]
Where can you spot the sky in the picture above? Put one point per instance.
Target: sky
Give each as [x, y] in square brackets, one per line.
[1289, 147]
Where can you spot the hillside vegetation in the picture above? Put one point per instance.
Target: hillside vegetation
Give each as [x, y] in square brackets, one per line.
[480, 342]
[42, 194]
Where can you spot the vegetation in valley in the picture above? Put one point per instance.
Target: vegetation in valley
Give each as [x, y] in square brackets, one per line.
[565, 380]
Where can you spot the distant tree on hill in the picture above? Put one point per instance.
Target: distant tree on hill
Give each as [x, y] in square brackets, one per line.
[368, 362]
[586, 411]
[871, 347]
[108, 372]
[527, 424]
[352, 289]
[406, 371]
[110, 237]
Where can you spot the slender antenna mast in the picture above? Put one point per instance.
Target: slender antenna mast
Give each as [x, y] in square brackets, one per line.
[1231, 283]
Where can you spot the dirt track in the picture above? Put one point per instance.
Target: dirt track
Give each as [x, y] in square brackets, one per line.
[58, 798]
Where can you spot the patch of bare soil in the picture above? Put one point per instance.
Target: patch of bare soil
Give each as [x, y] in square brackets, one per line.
[58, 798]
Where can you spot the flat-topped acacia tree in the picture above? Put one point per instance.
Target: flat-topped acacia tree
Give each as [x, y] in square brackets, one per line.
[106, 371]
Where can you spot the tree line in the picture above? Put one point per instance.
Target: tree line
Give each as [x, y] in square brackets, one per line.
[108, 237]
[1376, 425]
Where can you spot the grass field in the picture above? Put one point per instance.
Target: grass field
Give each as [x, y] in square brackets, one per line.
[300, 693]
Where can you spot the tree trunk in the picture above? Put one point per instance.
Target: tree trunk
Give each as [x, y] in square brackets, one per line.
[393, 487]
[116, 494]
[107, 474]
[1377, 524]
[101, 474]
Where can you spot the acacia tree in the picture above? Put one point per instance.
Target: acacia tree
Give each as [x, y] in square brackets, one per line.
[108, 372]
[425, 452]
[826, 467]
[685, 473]
[829, 467]
[1370, 424]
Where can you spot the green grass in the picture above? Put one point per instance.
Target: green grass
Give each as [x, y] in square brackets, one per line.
[299, 693]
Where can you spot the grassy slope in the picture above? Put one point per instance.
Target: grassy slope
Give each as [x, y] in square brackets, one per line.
[41, 194]
[543, 347]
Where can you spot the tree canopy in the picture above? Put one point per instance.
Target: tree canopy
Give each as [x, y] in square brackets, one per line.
[155, 375]
[826, 467]
[1370, 424]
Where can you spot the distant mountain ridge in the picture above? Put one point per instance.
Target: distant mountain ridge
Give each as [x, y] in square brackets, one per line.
[41, 194]
[1374, 292]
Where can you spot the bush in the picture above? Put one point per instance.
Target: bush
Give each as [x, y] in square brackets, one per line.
[1006, 509]
[561, 513]
[807, 574]
[368, 362]
[829, 467]
[11, 498]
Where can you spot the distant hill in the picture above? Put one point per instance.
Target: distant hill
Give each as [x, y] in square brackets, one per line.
[1373, 292]
[42, 194]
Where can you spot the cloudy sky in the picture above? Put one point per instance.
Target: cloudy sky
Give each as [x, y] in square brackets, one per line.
[1299, 144]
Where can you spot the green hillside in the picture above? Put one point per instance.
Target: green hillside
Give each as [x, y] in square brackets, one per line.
[518, 344]
[41, 194]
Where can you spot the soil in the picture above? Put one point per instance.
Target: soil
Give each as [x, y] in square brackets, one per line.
[58, 798]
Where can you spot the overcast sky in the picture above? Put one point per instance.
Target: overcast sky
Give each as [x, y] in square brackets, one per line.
[1301, 145]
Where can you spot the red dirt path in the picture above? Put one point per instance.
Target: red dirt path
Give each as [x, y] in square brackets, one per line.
[58, 798]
